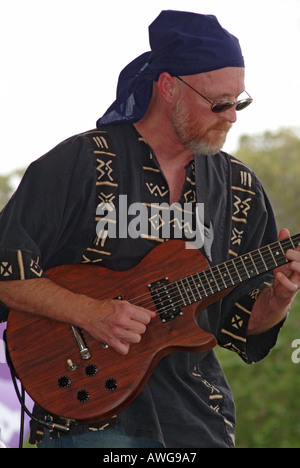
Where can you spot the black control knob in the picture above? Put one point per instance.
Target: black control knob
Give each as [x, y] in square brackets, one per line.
[83, 396]
[111, 384]
[64, 381]
[91, 370]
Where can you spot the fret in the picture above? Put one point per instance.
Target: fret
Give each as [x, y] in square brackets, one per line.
[279, 243]
[287, 244]
[185, 292]
[205, 280]
[226, 275]
[219, 274]
[241, 269]
[212, 280]
[266, 268]
[189, 290]
[229, 275]
[180, 293]
[296, 239]
[198, 287]
[245, 268]
[276, 264]
[269, 259]
[238, 275]
[252, 271]
[278, 253]
[214, 277]
[201, 285]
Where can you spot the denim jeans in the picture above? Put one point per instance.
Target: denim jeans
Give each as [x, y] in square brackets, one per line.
[109, 438]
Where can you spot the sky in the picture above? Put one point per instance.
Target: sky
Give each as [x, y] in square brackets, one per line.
[60, 62]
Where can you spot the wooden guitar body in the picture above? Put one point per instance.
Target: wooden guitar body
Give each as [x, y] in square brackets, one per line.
[47, 357]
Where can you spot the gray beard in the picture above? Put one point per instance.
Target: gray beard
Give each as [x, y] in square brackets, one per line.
[180, 122]
[202, 148]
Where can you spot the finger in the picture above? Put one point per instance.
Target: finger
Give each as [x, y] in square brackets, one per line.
[142, 315]
[121, 340]
[137, 312]
[293, 255]
[287, 283]
[283, 234]
[136, 327]
[293, 268]
[127, 336]
[122, 347]
[134, 318]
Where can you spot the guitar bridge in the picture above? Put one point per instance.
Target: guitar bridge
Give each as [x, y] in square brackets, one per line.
[165, 300]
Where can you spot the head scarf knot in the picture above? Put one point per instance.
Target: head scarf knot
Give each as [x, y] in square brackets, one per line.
[181, 43]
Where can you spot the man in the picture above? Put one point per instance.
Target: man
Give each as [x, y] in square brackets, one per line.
[160, 142]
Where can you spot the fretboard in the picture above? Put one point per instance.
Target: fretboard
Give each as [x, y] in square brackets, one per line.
[197, 286]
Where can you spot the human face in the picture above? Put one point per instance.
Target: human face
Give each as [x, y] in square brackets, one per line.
[199, 129]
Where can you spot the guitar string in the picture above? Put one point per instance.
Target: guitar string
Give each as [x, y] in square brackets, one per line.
[195, 291]
[250, 258]
[245, 258]
[171, 287]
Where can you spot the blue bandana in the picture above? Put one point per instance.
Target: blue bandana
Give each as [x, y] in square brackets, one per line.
[181, 43]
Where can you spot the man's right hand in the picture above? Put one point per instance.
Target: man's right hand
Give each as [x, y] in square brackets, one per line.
[116, 323]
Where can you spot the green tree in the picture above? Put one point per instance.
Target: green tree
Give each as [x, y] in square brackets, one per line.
[275, 158]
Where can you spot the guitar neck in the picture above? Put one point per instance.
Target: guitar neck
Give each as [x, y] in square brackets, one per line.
[196, 287]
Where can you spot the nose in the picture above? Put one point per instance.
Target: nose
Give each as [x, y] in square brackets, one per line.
[231, 115]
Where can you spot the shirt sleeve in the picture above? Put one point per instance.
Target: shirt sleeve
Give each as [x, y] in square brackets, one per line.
[237, 306]
[48, 220]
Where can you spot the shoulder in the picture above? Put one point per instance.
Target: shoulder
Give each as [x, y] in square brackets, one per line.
[69, 163]
[75, 151]
[72, 147]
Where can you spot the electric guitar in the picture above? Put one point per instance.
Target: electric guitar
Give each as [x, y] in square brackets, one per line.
[71, 375]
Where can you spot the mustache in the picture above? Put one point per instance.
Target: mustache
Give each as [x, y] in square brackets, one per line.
[224, 127]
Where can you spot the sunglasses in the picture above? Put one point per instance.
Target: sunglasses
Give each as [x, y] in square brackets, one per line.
[218, 106]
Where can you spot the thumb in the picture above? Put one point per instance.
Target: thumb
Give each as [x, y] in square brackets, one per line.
[283, 234]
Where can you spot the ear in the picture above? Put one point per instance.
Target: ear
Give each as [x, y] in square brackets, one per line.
[167, 87]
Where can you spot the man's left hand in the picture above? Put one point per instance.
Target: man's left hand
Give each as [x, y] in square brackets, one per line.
[273, 304]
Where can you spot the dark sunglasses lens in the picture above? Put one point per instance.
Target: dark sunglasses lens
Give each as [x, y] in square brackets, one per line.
[222, 107]
[243, 104]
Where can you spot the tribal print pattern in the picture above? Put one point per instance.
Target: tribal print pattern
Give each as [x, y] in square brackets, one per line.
[107, 191]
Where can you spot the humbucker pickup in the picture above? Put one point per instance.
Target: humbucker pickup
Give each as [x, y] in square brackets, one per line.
[165, 299]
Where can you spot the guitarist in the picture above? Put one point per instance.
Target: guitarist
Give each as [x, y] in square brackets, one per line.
[174, 102]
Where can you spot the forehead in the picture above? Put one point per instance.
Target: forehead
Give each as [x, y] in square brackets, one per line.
[226, 81]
